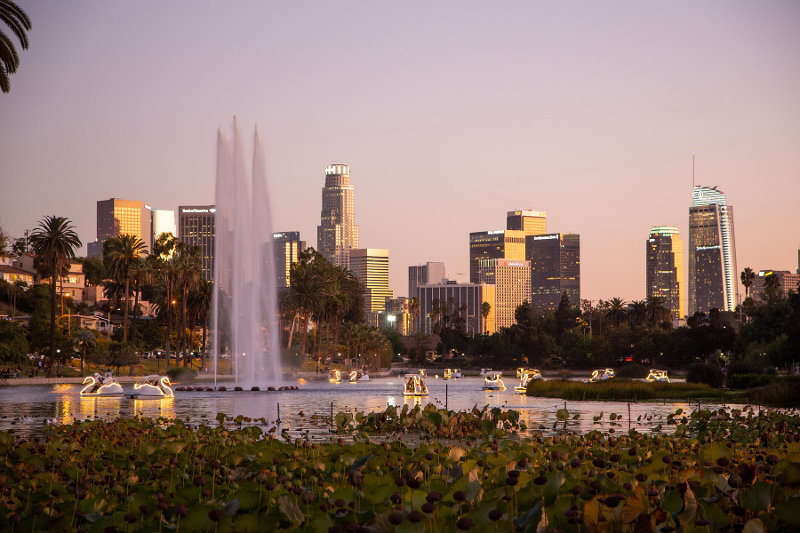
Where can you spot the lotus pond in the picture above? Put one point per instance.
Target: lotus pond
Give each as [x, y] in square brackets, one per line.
[718, 470]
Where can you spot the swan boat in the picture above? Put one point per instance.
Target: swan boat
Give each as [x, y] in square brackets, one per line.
[153, 387]
[335, 376]
[493, 381]
[601, 374]
[528, 375]
[452, 373]
[358, 375]
[414, 386]
[521, 372]
[484, 372]
[657, 375]
[97, 385]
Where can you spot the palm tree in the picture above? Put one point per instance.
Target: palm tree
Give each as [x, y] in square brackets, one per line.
[748, 277]
[200, 309]
[657, 312]
[140, 274]
[486, 308]
[188, 275]
[637, 312]
[120, 255]
[616, 310]
[85, 339]
[15, 18]
[54, 242]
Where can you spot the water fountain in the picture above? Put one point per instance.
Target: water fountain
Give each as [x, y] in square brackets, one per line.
[244, 307]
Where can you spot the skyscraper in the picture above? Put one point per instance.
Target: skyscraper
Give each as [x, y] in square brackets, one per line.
[512, 281]
[531, 222]
[713, 283]
[555, 269]
[163, 221]
[463, 299]
[664, 268]
[337, 232]
[196, 227]
[497, 244]
[286, 245]
[430, 272]
[371, 267]
[116, 217]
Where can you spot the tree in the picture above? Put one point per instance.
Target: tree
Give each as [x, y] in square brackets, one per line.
[637, 312]
[200, 309]
[54, 242]
[616, 311]
[656, 310]
[16, 19]
[188, 275]
[120, 254]
[486, 308]
[772, 288]
[86, 341]
[748, 277]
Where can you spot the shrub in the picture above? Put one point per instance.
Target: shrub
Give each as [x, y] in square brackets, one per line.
[632, 371]
[704, 373]
[749, 381]
[783, 391]
[181, 374]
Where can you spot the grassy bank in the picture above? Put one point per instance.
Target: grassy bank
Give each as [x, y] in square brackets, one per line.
[627, 390]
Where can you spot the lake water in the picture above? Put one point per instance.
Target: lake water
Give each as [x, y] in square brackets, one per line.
[27, 409]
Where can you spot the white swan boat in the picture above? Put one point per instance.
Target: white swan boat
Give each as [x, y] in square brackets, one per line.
[493, 381]
[601, 374]
[358, 375]
[452, 373]
[657, 375]
[414, 386]
[335, 376]
[97, 385]
[521, 372]
[153, 387]
[528, 375]
[485, 371]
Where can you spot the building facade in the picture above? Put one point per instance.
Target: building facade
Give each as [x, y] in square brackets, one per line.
[527, 221]
[431, 272]
[712, 279]
[555, 261]
[396, 315]
[371, 267]
[337, 232]
[116, 217]
[664, 269]
[512, 282]
[786, 282]
[163, 221]
[196, 227]
[497, 244]
[464, 299]
[287, 246]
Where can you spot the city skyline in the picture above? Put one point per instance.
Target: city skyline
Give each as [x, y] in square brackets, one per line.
[590, 113]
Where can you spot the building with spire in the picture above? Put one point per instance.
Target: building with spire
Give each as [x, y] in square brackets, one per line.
[337, 232]
[713, 282]
[664, 269]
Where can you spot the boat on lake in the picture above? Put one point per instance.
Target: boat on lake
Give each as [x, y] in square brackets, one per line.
[153, 387]
[493, 381]
[530, 374]
[485, 371]
[358, 375]
[335, 376]
[601, 374]
[414, 386]
[657, 375]
[452, 373]
[97, 385]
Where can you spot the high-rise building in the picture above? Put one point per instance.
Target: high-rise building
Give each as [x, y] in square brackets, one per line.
[458, 300]
[430, 272]
[497, 244]
[116, 217]
[512, 281]
[287, 246]
[196, 227]
[337, 232]
[713, 282]
[371, 267]
[163, 221]
[786, 282]
[555, 269]
[396, 316]
[664, 269]
[531, 222]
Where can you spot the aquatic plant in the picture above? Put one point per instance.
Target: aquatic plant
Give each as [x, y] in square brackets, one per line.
[625, 390]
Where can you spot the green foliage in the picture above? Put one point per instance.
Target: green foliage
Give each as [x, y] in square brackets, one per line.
[783, 391]
[632, 371]
[749, 381]
[617, 389]
[13, 343]
[707, 373]
[182, 374]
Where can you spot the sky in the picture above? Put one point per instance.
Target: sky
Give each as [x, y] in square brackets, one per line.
[449, 114]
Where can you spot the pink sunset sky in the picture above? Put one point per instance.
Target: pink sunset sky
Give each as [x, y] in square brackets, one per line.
[448, 113]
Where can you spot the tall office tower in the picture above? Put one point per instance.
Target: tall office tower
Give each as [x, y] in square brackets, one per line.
[287, 246]
[337, 232]
[786, 282]
[462, 300]
[497, 244]
[512, 281]
[431, 272]
[665, 268]
[196, 227]
[371, 267]
[531, 222]
[713, 281]
[116, 216]
[163, 221]
[555, 269]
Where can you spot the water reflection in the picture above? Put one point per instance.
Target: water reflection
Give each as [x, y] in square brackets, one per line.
[27, 409]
